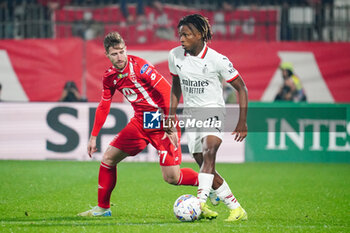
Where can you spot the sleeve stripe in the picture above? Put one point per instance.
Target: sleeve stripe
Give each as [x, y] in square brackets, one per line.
[236, 76]
[157, 82]
[174, 74]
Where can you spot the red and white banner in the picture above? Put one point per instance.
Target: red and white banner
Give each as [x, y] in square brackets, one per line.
[40, 67]
[36, 70]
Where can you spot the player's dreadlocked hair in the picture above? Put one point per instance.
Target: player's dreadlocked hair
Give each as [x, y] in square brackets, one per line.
[112, 39]
[200, 22]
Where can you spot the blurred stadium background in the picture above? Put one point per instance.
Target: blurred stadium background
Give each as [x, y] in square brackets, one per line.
[46, 43]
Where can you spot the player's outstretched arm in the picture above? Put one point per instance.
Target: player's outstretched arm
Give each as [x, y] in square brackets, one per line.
[241, 129]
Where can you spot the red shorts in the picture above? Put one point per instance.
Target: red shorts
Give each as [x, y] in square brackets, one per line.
[133, 139]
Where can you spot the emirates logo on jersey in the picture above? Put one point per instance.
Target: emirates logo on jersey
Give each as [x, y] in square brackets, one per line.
[194, 86]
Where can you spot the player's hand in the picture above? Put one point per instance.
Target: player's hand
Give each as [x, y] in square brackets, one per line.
[91, 148]
[168, 125]
[173, 137]
[171, 132]
[241, 131]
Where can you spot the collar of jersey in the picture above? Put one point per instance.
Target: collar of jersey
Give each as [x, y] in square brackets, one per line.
[202, 54]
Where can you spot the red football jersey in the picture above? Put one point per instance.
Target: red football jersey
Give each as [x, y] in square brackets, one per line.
[142, 86]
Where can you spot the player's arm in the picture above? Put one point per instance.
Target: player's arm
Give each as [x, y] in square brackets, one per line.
[101, 114]
[175, 96]
[231, 75]
[241, 128]
[176, 92]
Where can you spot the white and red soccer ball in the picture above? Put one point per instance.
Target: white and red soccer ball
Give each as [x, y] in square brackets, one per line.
[187, 208]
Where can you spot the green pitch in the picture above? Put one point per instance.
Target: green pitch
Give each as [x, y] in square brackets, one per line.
[45, 196]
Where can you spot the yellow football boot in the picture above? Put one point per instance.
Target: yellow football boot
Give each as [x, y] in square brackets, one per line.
[206, 212]
[237, 214]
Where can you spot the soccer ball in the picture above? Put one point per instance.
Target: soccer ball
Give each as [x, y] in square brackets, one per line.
[187, 208]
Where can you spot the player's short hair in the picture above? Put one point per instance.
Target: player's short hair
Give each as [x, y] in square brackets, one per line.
[200, 22]
[112, 39]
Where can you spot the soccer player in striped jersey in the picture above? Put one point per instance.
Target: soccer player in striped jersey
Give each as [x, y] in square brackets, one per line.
[198, 72]
[147, 91]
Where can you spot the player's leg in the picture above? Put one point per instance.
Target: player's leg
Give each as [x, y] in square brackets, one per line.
[128, 142]
[179, 176]
[195, 148]
[210, 146]
[217, 182]
[223, 191]
[107, 179]
[170, 160]
[171, 174]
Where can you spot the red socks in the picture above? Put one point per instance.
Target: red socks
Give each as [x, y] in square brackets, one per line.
[188, 177]
[107, 179]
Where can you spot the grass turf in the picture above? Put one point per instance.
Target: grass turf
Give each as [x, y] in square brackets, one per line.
[45, 196]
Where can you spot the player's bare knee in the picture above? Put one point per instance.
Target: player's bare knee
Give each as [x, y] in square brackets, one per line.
[171, 178]
[108, 159]
[210, 151]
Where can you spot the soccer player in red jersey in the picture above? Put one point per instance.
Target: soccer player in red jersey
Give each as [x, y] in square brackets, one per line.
[148, 92]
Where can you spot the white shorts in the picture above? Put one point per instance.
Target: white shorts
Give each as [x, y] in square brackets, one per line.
[195, 133]
[194, 140]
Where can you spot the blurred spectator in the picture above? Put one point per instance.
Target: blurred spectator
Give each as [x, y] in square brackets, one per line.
[219, 26]
[53, 5]
[7, 8]
[292, 89]
[163, 24]
[23, 19]
[0, 91]
[87, 28]
[285, 27]
[319, 7]
[71, 93]
[140, 11]
[47, 12]
[224, 5]
[19, 19]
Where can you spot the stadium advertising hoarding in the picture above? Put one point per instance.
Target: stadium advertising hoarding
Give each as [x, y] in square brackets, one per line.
[39, 131]
[277, 132]
[298, 132]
